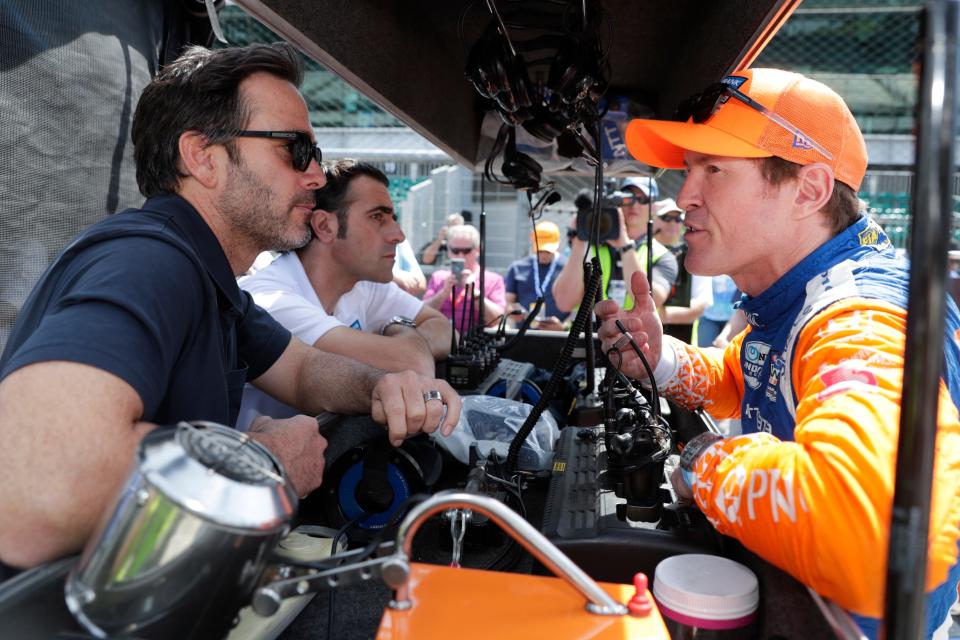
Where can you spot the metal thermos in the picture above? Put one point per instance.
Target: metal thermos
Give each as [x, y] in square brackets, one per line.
[187, 539]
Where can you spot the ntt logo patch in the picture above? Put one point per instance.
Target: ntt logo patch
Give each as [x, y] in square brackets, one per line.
[754, 357]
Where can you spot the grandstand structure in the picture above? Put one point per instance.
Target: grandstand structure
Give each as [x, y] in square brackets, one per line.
[864, 49]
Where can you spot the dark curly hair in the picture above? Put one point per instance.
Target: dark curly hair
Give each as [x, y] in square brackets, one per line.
[332, 196]
[199, 91]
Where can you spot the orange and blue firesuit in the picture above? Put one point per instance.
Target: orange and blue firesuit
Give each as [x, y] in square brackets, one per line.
[816, 380]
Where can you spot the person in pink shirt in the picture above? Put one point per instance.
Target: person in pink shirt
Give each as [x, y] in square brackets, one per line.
[463, 241]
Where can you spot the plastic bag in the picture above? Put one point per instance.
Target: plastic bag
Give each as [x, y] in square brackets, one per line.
[491, 423]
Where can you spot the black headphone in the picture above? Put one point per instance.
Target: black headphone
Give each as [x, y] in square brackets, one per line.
[555, 110]
[501, 76]
[520, 170]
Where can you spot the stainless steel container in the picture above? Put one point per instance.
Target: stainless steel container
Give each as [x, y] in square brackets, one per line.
[188, 538]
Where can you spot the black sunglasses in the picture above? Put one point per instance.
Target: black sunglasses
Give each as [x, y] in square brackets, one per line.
[702, 106]
[460, 250]
[302, 148]
[632, 199]
[671, 218]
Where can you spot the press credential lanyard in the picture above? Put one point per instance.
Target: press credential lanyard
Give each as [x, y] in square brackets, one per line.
[536, 275]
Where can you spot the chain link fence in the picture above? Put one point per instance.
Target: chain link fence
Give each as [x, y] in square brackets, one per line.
[867, 51]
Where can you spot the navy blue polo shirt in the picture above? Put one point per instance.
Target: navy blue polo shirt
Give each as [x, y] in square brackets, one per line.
[149, 295]
[521, 282]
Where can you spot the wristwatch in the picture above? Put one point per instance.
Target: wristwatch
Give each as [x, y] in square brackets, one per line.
[697, 445]
[401, 320]
[630, 246]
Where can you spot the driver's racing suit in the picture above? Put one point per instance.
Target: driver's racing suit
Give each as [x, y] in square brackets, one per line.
[816, 380]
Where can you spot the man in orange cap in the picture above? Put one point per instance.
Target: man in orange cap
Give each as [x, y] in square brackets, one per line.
[531, 277]
[773, 164]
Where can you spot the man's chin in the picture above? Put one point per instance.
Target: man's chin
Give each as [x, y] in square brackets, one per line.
[291, 244]
[701, 267]
[384, 278]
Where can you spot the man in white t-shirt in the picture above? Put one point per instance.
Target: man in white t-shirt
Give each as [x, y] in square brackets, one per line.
[336, 292]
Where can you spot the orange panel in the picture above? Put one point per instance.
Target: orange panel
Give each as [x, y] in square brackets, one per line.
[770, 29]
[486, 605]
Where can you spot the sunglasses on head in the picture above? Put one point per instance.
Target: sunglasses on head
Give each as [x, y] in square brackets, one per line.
[302, 148]
[702, 106]
[460, 250]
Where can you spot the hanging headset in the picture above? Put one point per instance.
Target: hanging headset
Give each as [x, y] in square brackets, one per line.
[498, 73]
[556, 109]
[521, 170]
[518, 169]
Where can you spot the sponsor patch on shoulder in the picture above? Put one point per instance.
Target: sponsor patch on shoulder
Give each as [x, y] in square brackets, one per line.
[873, 235]
[843, 378]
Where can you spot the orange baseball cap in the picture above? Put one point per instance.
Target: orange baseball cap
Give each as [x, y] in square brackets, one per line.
[546, 236]
[741, 131]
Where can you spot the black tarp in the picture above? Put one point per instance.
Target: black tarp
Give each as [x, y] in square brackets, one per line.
[71, 72]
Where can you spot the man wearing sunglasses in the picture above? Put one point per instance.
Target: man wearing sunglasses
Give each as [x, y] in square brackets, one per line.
[451, 290]
[622, 256]
[140, 322]
[773, 163]
[691, 294]
[336, 292]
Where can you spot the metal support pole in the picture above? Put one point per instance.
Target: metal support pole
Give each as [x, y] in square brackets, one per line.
[923, 359]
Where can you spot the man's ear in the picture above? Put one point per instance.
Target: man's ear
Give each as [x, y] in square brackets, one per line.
[198, 158]
[324, 225]
[814, 187]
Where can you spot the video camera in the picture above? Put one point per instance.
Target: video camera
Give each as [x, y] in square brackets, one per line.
[609, 218]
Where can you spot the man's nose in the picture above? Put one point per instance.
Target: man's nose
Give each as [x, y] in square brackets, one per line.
[689, 195]
[395, 234]
[314, 177]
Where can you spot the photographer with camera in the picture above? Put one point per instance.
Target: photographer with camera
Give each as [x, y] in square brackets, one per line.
[464, 249]
[623, 248]
[433, 252]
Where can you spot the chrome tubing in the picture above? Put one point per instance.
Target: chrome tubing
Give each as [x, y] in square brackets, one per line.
[839, 620]
[598, 600]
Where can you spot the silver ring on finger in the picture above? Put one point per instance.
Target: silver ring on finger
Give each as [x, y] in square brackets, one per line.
[433, 394]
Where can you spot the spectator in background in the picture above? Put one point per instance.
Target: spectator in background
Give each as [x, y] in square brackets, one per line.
[953, 275]
[571, 236]
[718, 326]
[531, 277]
[691, 294]
[953, 264]
[407, 273]
[735, 325]
[433, 252]
[622, 256]
[716, 316]
[464, 244]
